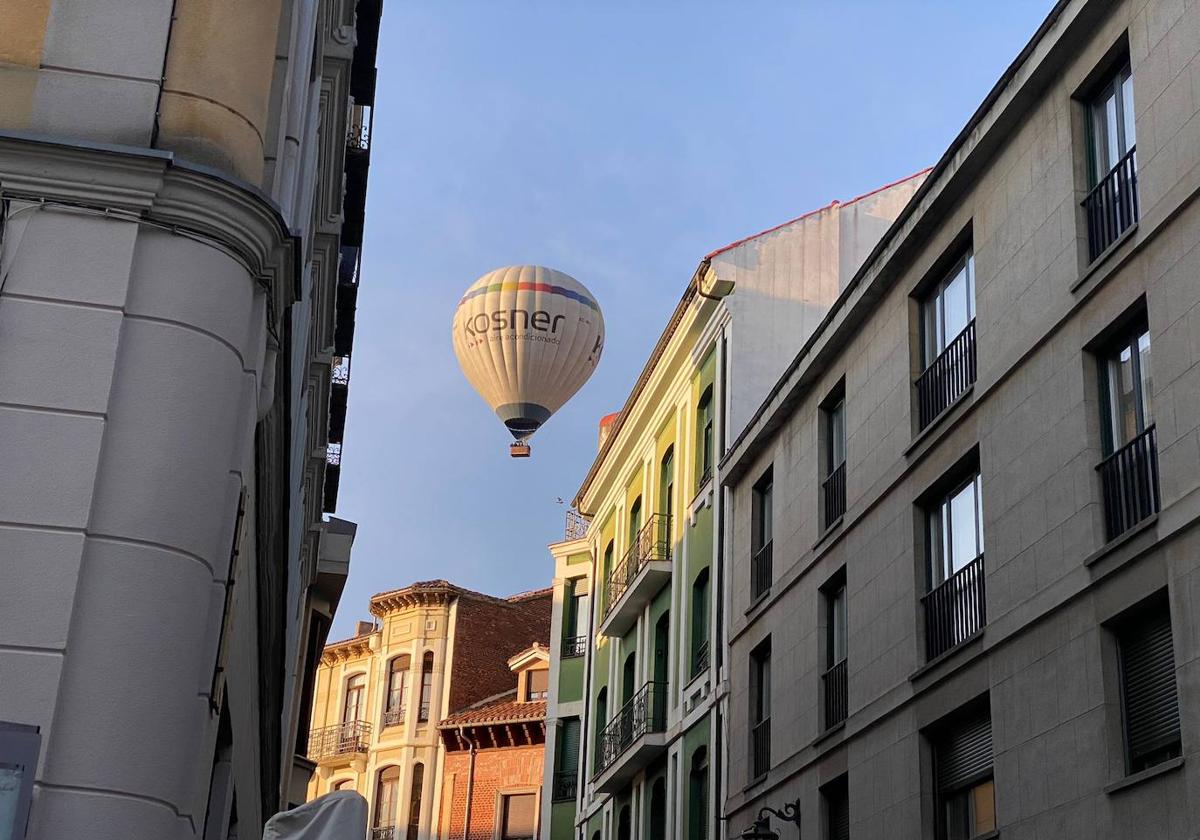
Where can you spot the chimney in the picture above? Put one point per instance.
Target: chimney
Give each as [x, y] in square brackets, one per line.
[606, 426]
[364, 627]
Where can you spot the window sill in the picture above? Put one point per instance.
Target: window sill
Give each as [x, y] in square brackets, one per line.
[1102, 261]
[830, 530]
[1112, 545]
[828, 734]
[967, 643]
[991, 835]
[755, 782]
[758, 601]
[1168, 766]
[939, 421]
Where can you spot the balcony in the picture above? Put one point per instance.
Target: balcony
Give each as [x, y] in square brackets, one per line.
[634, 737]
[833, 495]
[948, 376]
[955, 609]
[566, 783]
[700, 659]
[576, 525]
[339, 743]
[1129, 483]
[639, 576]
[358, 133]
[385, 832]
[760, 748]
[574, 646]
[1111, 208]
[393, 717]
[760, 572]
[835, 694]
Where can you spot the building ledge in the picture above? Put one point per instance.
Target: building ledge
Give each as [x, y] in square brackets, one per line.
[1135, 779]
[632, 760]
[651, 577]
[1126, 538]
[958, 651]
[1103, 265]
[939, 423]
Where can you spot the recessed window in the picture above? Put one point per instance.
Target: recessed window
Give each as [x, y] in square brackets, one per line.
[426, 688]
[762, 535]
[965, 790]
[352, 706]
[698, 795]
[537, 684]
[575, 618]
[1111, 205]
[833, 479]
[414, 802]
[954, 605]
[387, 791]
[1149, 696]
[700, 607]
[836, 795]
[704, 434]
[760, 709]
[519, 816]
[834, 680]
[397, 691]
[566, 767]
[947, 340]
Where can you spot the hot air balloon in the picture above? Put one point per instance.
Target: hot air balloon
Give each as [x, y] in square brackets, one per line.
[527, 338]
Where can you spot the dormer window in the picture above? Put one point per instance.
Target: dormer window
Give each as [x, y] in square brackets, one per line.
[537, 685]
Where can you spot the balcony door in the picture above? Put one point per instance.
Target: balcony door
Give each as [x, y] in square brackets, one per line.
[1111, 127]
[949, 308]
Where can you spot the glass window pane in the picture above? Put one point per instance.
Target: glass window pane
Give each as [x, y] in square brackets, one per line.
[1147, 383]
[957, 307]
[1127, 111]
[984, 806]
[838, 628]
[1124, 402]
[963, 547]
[1112, 151]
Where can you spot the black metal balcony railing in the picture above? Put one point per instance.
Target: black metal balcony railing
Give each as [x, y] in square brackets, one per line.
[955, 609]
[566, 783]
[394, 717]
[645, 712]
[358, 133]
[700, 658]
[947, 377]
[1129, 482]
[577, 525]
[833, 491]
[1111, 207]
[836, 697]
[573, 646]
[385, 832]
[760, 748]
[339, 739]
[653, 542]
[760, 571]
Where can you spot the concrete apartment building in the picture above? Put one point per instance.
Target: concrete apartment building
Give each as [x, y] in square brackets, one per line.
[434, 650]
[964, 562]
[634, 717]
[182, 188]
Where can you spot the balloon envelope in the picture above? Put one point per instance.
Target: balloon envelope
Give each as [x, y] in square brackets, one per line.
[527, 338]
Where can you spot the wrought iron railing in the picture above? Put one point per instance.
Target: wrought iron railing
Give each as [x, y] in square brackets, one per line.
[1129, 483]
[760, 748]
[700, 658]
[947, 377]
[645, 712]
[385, 832]
[358, 133]
[760, 571]
[394, 717]
[339, 373]
[1111, 207]
[566, 783]
[577, 525]
[833, 491]
[835, 694]
[573, 646]
[333, 454]
[653, 542]
[955, 610]
[340, 739]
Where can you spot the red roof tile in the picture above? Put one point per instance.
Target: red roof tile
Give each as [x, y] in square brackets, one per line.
[498, 711]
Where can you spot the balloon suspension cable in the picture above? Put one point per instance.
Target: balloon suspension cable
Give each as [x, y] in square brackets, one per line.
[519, 449]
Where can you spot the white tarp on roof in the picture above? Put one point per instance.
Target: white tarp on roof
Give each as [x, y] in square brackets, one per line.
[340, 815]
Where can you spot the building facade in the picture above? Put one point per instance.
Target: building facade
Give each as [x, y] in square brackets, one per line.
[636, 695]
[494, 758]
[182, 188]
[434, 649]
[964, 557]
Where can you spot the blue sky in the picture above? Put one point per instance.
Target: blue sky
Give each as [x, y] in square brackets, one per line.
[619, 142]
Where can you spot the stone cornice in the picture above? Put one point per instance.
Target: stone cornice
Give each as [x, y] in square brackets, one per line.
[343, 651]
[412, 597]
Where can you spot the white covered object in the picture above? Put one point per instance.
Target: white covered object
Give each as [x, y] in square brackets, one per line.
[340, 815]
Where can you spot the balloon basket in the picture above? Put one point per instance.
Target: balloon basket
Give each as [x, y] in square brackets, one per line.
[520, 449]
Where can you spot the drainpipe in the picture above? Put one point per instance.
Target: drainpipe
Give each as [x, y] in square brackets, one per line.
[466, 835]
[718, 652]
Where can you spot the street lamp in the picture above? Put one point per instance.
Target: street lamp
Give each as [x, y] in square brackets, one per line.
[760, 829]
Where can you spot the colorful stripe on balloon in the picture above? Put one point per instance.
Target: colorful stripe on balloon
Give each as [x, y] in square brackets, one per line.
[530, 287]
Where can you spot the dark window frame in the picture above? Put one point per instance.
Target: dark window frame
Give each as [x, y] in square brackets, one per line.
[1153, 615]
[704, 436]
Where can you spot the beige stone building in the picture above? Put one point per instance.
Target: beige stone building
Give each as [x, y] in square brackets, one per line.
[964, 561]
[433, 649]
[182, 194]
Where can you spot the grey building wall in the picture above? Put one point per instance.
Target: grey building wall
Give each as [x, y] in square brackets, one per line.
[1046, 660]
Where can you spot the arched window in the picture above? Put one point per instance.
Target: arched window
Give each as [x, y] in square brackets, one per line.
[397, 694]
[624, 824]
[658, 808]
[414, 800]
[698, 796]
[700, 608]
[606, 572]
[601, 720]
[352, 708]
[666, 483]
[635, 519]
[704, 435]
[344, 784]
[426, 687]
[387, 792]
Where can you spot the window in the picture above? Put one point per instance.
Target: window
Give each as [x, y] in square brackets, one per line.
[352, 707]
[575, 618]
[833, 484]
[965, 790]
[635, 520]
[606, 568]
[704, 434]
[519, 816]
[601, 722]
[397, 697]
[834, 679]
[387, 796]
[836, 796]
[1149, 698]
[426, 688]
[760, 709]
[700, 607]
[624, 824]
[344, 784]
[19, 747]
[947, 340]
[666, 484]
[955, 606]
[658, 808]
[1111, 205]
[566, 768]
[414, 802]
[698, 796]
[537, 685]
[761, 537]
